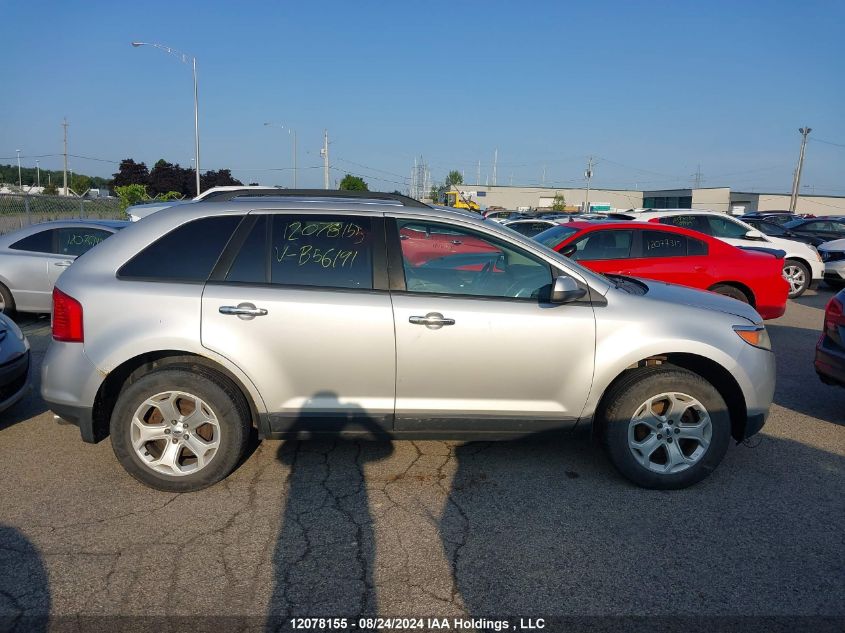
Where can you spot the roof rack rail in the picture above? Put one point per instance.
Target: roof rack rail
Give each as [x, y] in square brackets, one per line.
[334, 193]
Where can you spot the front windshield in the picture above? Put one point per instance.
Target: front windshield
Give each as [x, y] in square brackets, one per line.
[793, 223]
[555, 235]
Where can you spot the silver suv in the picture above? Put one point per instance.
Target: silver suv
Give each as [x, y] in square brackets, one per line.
[318, 314]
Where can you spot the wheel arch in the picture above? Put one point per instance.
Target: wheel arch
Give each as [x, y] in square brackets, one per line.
[133, 368]
[744, 289]
[710, 370]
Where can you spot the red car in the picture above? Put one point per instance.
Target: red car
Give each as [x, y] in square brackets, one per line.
[674, 255]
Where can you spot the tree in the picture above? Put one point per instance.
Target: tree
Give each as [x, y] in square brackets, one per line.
[131, 194]
[453, 179]
[80, 183]
[559, 202]
[353, 183]
[50, 190]
[222, 178]
[131, 173]
[165, 177]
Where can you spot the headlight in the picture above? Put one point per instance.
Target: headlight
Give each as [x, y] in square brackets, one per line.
[755, 335]
[816, 251]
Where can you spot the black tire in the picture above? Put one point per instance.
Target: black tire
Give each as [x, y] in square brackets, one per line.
[224, 401]
[731, 291]
[634, 389]
[8, 306]
[804, 269]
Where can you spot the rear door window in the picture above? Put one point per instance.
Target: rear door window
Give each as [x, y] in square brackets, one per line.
[666, 244]
[76, 241]
[188, 253]
[691, 222]
[322, 250]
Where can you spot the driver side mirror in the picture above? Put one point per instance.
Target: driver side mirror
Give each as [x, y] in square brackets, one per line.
[565, 290]
[754, 235]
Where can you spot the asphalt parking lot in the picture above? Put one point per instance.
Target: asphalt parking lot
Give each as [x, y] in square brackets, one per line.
[433, 528]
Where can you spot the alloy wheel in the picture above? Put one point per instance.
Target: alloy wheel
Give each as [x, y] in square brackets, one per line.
[794, 275]
[175, 433]
[669, 432]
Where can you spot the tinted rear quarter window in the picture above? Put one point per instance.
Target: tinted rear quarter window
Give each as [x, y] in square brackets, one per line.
[187, 253]
[41, 242]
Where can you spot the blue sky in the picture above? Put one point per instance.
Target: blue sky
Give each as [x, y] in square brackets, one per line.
[651, 89]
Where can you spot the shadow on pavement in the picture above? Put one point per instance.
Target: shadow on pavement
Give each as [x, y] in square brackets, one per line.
[798, 387]
[24, 586]
[544, 528]
[325, 552]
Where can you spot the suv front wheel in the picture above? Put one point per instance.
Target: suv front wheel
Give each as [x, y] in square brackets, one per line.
[178, 430]
[665, 427]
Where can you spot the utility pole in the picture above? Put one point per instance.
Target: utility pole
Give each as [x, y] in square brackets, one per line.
[495, 166]
[64, 185]
[37, 173]
[478, 175]
[796, 181]
[20, 184]
[544, 175]
[697, 177]
[294, 159]
[588, 175]
[325, 154]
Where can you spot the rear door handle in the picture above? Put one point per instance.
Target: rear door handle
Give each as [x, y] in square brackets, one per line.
[243, 310]
[62, 264]
[432, 320]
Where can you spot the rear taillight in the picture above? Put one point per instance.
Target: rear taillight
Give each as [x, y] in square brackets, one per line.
[67, 318]
[833, 316]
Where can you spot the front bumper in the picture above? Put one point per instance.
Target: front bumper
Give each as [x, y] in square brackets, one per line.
[15, 380]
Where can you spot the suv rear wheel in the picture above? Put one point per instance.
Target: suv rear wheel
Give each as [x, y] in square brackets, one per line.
[665, 427]
[179, 431]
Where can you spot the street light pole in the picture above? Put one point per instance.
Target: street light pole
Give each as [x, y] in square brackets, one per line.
[796, 182]
[291, 133]
[20, 184]
[184, 58]
[37, 173]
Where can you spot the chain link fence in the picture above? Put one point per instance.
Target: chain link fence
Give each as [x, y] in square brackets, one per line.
[19, 210]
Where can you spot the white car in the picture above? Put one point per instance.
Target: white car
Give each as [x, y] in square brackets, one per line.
[227, 192]
[802, 266]
[833, 254]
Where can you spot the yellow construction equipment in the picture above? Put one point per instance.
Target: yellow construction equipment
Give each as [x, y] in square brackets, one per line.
[457, 200]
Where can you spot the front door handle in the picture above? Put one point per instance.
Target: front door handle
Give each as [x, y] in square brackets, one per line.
[62, 264]
[243, 310]
[432, 320]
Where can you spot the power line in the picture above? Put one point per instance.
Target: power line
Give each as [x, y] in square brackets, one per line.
[818, 140]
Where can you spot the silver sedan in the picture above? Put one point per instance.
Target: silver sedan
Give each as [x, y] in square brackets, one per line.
[32, 259]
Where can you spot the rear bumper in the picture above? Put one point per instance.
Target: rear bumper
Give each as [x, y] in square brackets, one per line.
[69, 385]
[80, 416]
[830, 362]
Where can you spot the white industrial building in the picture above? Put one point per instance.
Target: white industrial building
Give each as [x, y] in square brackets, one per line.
[715, 198]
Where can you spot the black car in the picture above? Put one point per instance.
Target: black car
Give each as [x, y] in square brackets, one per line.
[767, 227]
[830, 350]
[775, 217]
[827, 229]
